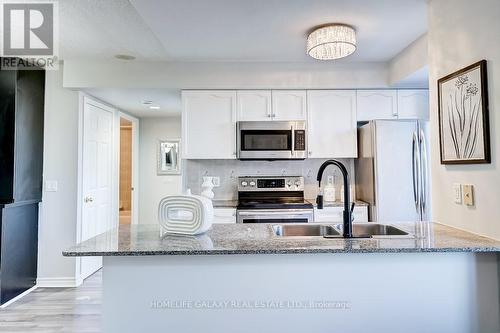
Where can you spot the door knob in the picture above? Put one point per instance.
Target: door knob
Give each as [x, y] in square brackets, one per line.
[88, 199]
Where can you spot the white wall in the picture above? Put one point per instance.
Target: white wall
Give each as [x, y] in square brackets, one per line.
[409, 61]
[152, 188]
[462, 32]
[57, 226]
[224, 75]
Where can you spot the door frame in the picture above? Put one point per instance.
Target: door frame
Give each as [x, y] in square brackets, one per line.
[88, 99]
[135, 161]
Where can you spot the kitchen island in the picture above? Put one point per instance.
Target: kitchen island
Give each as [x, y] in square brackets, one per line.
[244, 278]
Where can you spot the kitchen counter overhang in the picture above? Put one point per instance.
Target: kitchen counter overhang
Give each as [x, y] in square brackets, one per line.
[233, 239]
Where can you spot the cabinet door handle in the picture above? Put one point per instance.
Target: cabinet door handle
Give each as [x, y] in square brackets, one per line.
[88, 199]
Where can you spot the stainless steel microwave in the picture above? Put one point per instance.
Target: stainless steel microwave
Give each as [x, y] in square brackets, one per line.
[271, 140]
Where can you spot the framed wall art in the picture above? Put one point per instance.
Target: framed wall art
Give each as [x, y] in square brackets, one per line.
[169, 160]
[463, 116]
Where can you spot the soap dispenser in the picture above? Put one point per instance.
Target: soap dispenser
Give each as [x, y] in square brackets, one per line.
[329, 190]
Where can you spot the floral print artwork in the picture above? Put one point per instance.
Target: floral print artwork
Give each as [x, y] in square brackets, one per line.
[461, 116]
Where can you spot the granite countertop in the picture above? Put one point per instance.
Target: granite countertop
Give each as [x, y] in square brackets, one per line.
[227, 239]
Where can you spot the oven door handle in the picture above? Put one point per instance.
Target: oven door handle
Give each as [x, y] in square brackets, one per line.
[272, 212]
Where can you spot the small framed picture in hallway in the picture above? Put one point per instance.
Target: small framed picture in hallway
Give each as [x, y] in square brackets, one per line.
[168, 157]
[463, 116]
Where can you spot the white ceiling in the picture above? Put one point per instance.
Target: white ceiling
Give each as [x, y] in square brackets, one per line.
[225, 30]
[275, 30]
[418, 79]
[130, 100]
[232, 30]
[97, 29]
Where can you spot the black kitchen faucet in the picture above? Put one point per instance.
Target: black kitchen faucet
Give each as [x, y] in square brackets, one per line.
[347, 232]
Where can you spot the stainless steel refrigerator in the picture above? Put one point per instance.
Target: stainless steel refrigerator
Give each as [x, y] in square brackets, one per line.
[392, 170]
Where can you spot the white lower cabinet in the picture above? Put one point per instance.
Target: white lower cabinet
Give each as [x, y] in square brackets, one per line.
[224, 215]
[335, 214]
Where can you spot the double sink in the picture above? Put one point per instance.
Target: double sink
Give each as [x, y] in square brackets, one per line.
[359, 230]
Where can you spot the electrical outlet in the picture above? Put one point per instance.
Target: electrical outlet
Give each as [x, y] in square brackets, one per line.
[330, 179]
[216, 181]
[51, 186]
[457, 193]
[468, 194]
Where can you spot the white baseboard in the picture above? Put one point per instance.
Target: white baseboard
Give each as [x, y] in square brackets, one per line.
[58, 282]
[6, 304]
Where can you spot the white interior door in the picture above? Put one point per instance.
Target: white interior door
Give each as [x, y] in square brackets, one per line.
[97, 167]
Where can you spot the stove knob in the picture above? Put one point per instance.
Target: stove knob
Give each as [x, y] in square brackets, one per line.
[252, 183]
[244, 183]
[297, 183]
[289, 184]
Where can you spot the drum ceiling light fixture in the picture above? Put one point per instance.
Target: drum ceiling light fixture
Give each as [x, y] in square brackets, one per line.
[332, 41]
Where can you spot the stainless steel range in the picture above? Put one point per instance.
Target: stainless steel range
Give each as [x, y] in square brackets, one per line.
[272, 200]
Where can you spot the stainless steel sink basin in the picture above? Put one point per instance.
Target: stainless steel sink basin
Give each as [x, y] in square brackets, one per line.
[375, 230]
[297, 230]
[359, 230]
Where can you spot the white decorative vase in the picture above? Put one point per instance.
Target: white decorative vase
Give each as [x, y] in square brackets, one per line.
[206, 188]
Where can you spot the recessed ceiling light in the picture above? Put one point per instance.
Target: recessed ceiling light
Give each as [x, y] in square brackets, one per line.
[124, 57]
[147, 102]
[333, 41]
[154, 107]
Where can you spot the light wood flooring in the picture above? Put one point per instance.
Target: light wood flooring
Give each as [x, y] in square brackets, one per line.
[53, 310]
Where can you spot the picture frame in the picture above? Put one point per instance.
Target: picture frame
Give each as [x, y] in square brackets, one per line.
[169, 157]
[464, 130]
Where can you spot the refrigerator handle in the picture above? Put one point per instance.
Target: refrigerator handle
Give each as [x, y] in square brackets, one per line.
[414, 168]
[423, 171]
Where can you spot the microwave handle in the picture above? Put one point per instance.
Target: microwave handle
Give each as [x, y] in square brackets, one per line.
[293, 142]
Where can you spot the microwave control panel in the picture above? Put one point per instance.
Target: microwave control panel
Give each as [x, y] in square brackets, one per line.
[300, 140]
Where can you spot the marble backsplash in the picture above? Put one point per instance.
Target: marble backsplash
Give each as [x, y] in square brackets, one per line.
[229, 170]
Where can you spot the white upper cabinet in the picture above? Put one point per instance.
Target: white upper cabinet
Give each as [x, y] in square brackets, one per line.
[289, 105]
[254, 105]
[377, 104]
[413, 104]
[209, 124]
[332, 123]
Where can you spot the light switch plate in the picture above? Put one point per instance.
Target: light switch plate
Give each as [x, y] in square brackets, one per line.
[457, 193]
[216, 181]
[468, 194]
[51, 186]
